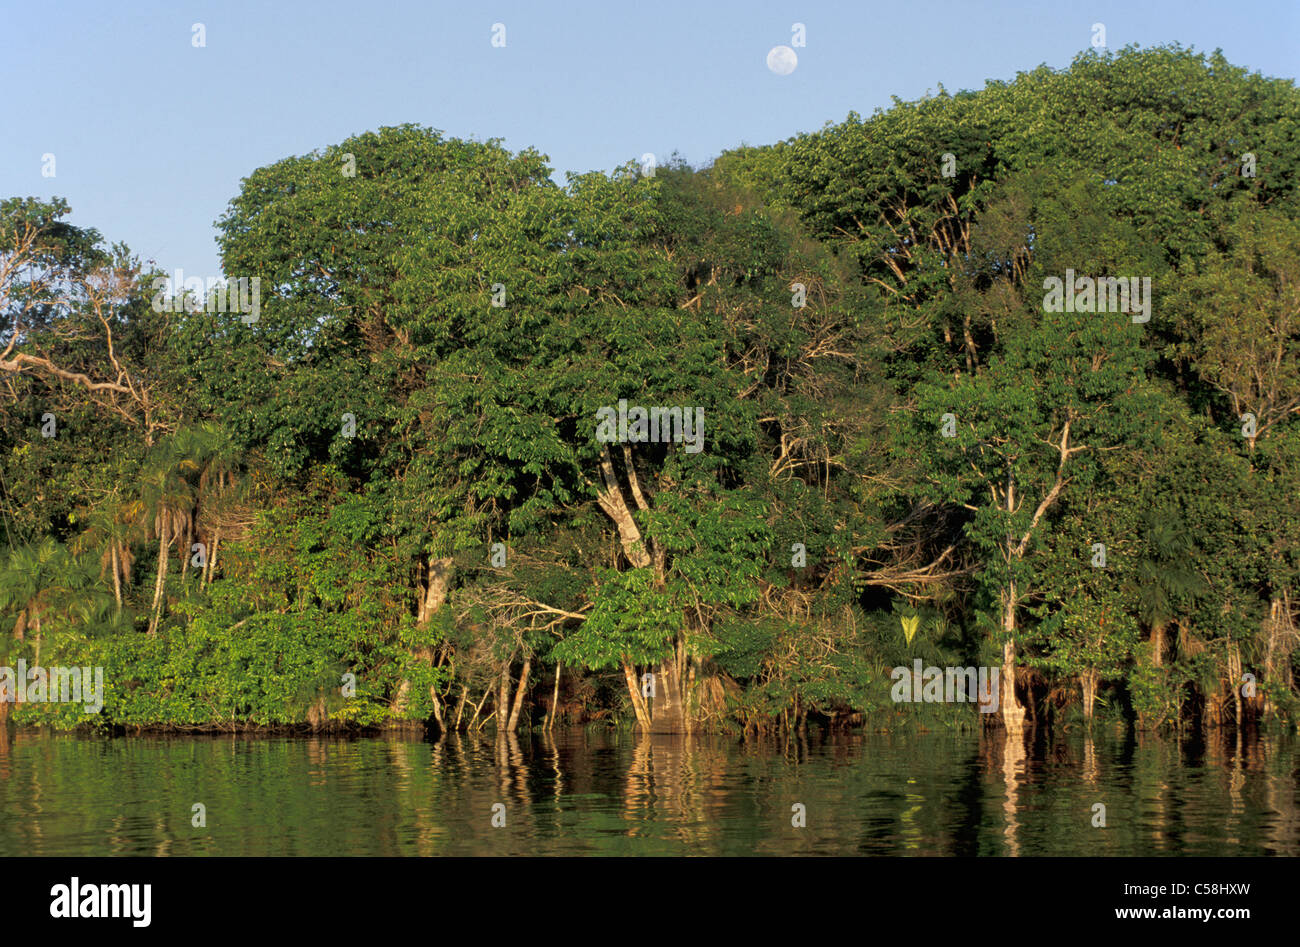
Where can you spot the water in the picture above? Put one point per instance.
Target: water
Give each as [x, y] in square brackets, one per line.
[612, 794]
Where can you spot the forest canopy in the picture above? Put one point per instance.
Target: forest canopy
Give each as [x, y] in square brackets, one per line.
[850, 429]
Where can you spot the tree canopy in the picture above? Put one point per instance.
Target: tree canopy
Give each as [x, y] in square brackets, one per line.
[846, 407]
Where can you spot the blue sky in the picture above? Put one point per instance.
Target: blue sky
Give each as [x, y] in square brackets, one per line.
[151, 135]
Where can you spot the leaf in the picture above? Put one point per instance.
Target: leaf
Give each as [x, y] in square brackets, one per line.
[910, 624]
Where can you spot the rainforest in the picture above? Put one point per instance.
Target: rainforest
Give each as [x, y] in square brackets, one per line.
[383, 503]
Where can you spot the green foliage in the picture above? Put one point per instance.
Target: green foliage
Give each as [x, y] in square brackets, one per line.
[438, 332]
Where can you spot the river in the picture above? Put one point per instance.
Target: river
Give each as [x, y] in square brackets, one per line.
[585, 792]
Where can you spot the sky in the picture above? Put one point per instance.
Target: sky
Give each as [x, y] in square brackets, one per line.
[151, 135]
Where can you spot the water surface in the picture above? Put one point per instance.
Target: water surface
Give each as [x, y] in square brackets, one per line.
[606, 793]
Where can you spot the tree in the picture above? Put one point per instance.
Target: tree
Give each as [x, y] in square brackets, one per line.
[47, 590]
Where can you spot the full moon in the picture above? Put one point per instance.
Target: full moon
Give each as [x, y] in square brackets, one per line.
[782, 60]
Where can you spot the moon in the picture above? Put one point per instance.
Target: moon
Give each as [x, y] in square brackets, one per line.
[782, 60]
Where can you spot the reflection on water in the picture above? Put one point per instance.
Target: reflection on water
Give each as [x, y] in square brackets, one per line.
[603, 793]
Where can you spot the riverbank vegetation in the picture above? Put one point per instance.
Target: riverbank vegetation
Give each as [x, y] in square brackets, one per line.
[383, 502]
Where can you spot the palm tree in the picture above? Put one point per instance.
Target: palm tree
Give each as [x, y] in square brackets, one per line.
[1165, 576]
[109, 530]
[218, 461]
[43, 582]
[192, 470]
[165, 507]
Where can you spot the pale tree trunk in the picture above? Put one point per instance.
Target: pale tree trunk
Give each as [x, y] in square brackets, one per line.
[555, 698]
[211, 562]
[1088, 681]
[159, 582]
[1273, 624]
[117, 578]
[1158, 643]
[519, 695]
[611, 500]
[692, 696]
[670, 713]
[437, 708]
[187, 548]
[422, 597]
[615, 506]
[1234, 672]
[479, 709]
[440, 575]
[432, 597]
[1281, 638]
[503, 694]
[667, 711]
[1013, 715]
[638, 702]
[658, 557]
[460, 708]
[667, 716]
[670, 708]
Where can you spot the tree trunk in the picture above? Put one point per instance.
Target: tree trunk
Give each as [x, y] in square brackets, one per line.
[117, 578]
[503, 694]
[1013, 715]
[555, 698]
[439, 584]
[1234, 672]
[615, 506]
[669, 713]
[432, 597]
[1088, 681]
[211, 562]
[460, 708]
[437, 709]
[1280, 637]
[479, 709]
[159, 582]
[638, 702]
[519, 695]
[1158, 643]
